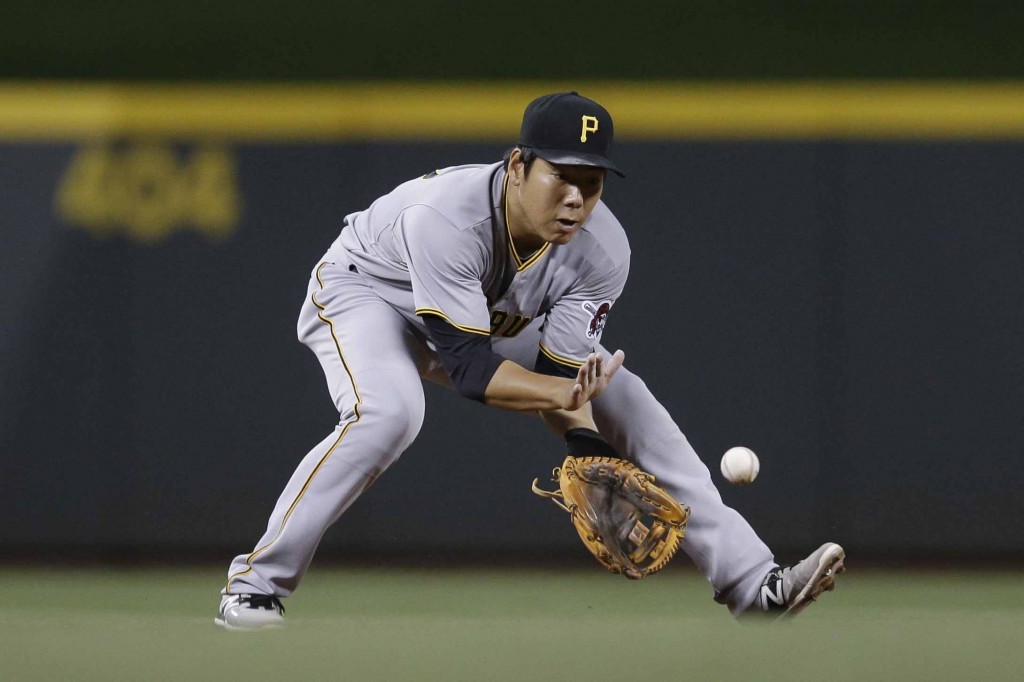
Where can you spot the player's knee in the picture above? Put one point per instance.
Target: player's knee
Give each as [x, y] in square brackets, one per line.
[398, 416]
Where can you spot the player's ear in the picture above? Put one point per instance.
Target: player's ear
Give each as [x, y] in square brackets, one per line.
[515, 166]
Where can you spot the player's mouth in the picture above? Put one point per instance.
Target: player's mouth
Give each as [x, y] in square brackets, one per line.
[567, 225]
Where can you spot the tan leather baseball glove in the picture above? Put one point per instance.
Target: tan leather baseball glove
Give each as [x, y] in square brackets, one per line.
[632, 526]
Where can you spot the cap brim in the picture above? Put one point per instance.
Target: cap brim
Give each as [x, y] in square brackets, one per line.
[578, 159]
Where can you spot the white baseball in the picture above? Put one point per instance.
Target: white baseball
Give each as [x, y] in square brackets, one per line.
[740, 465]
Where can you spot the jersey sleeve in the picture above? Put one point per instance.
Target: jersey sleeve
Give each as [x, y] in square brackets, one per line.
[467, 358]
[573, 326]
[446, 266]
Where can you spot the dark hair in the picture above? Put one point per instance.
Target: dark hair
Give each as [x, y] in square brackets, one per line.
[526, 153]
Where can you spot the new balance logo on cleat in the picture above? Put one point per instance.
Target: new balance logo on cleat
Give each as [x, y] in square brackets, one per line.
[771, 596]
[789, 590]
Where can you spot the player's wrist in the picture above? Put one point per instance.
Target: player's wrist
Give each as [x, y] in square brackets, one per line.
[568, 396]
[584, 442]
[557, 390]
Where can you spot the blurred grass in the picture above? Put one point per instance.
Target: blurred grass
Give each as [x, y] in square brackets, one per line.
[522, 624]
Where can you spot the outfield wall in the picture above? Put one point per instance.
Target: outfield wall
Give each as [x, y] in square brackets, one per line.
[839, 292]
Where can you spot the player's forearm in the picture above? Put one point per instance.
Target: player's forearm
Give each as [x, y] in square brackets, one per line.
[579, 432]
[514, 387]
[561, 421]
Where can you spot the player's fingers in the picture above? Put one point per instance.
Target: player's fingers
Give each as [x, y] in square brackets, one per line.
[581, 374]
[612, 366]
[576, 401]
[592, 361]
[600, 365]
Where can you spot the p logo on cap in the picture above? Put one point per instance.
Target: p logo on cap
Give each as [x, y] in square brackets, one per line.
[563, 128]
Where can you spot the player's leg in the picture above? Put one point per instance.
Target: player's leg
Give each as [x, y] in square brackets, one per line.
[367, 354]
[718, 540]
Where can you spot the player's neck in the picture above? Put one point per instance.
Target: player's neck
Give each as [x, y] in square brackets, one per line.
[523, 240]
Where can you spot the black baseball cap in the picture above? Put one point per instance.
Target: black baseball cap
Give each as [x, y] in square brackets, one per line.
[566, 127]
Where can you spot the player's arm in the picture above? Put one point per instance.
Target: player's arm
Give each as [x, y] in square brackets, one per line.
[579, 432]
[575, 324]
[446, 266]
[562, 421]
[477, 372]
[576, 428]
[515, 388]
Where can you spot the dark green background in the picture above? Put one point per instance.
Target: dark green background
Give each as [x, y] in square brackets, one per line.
[849, 310]
[395, 39]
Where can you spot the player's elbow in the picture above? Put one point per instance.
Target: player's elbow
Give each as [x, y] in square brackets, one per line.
[472, 378]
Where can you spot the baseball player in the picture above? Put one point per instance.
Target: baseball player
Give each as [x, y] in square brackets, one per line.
[496, 280]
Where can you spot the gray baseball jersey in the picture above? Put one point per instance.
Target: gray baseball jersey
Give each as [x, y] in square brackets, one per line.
[439, 245]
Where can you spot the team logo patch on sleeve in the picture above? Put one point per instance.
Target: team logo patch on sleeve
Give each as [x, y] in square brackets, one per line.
[598, 314]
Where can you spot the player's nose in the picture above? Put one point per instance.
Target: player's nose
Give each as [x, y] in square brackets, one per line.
[573, 196]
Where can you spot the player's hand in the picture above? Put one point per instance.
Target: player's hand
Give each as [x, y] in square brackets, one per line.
[593, 378]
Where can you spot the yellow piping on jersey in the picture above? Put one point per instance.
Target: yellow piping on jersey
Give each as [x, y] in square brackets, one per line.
[319, 465]
[532, 259]
[520, 264]
[438, 313]
[559, 359]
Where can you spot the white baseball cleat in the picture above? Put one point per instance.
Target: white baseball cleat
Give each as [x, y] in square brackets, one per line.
[250, 612]
[789, 590]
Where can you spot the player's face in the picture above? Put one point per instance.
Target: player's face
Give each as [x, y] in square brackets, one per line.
[552, 202]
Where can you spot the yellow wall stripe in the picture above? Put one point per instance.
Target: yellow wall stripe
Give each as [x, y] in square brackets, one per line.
[490, 111]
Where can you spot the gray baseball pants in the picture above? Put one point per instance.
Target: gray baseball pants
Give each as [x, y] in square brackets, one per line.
[374, 365]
